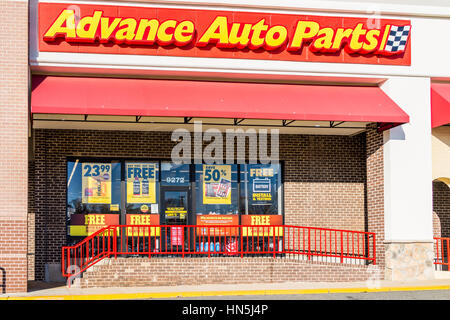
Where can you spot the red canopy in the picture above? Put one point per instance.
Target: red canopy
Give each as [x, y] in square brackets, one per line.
[440, 104]
[179, 98]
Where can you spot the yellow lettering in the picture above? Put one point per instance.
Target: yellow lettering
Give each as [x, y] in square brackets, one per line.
[92, 219]
[305, 30]
[355, 44]
[152, 24]
[92, 23]
[67, 17]
[218, 30]
[256, 40]
[184, 32]
[165, 38]
[107, 29]
[272, 42]
[127, 32]
[340, 35]
[324, 39]
[242, 40]
[372, 38]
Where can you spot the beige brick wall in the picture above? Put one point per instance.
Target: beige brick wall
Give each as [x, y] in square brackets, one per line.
[136, 272]
[375, 190]
[441, 209]
[13, 144]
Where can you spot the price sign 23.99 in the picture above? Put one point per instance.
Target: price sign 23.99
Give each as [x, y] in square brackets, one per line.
[96, 183]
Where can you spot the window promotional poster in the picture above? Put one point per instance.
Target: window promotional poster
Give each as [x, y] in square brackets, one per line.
[261, 184]
[141, 182]
[96, 183]
[216, 184]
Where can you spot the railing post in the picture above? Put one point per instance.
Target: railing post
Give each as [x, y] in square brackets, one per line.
[342, 246]
[115, 242]
[68, 259]
[182, 243]
[374, 250]
[242, 241]
[448, 261]
[309, 244]
[209, 243]
[437, 251]
[149, 241]
[273, 240]
[63, 265]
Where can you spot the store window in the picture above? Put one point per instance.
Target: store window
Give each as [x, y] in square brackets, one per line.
[103, 192]
[142, 187]
[260, 189]
[216, 189]
[93, 195]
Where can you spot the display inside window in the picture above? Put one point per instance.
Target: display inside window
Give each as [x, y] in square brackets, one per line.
[142, 187]
[216, 189]
[102, 192]
[260, 189]
[93, 195]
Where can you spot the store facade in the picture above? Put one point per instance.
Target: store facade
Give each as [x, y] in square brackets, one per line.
[281, 116]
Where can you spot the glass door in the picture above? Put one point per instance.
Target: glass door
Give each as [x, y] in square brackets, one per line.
[174, 214]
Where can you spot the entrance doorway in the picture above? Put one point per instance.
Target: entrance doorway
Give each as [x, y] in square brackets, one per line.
[175, 213]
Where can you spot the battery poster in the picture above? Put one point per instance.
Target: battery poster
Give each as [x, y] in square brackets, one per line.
[96, 183]
[216, 184]
[261, 184]
[141, 182]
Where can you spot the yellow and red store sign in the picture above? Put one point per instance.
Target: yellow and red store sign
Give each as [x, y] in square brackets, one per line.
[143, 220]
[87, 224]
[265, 225]
[113, 29]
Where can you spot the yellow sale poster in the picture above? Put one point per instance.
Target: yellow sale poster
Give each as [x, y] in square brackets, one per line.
[141, 182]
[96, 183]
[216, 184]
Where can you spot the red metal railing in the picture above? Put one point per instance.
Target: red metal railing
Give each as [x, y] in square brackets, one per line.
[219, 240]
[441, 247]
[94, 248]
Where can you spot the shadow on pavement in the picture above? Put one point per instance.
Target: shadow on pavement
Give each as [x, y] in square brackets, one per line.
[42, 285]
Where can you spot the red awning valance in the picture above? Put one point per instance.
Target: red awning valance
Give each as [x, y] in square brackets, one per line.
[178, 98]
[440, 104]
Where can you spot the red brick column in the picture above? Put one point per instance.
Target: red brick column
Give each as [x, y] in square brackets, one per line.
[13, 144]
[375, 191]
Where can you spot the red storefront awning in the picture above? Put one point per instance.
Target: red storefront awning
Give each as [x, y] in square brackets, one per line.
[179, 98]
[440, 104]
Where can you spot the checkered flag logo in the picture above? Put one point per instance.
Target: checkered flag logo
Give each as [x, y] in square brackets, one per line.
[398, 37]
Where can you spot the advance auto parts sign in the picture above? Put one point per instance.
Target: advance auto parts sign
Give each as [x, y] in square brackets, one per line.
[222, 34]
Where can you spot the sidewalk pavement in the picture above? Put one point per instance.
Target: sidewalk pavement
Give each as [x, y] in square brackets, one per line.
[59, 291]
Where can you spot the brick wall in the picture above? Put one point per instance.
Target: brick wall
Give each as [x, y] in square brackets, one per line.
[375, 190]
[13, 144]
[324, 178]
[136, 272]
[30, 221]
[441, 209]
